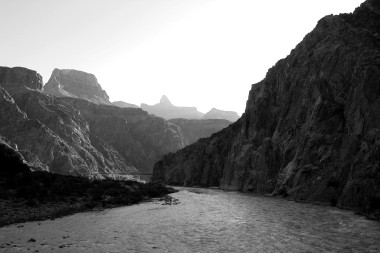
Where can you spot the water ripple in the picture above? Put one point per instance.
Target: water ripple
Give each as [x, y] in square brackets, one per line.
[205, 220]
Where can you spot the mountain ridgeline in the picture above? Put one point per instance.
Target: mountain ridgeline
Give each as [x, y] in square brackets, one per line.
[167, 110]
[77, 84]
[69, 126]
[310, 130]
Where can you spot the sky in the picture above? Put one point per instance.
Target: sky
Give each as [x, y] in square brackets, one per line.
[202, 53]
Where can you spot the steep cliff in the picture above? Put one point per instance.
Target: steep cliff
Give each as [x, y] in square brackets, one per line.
[219, 114]
[311, 128]
[141, 139]
[19, 79]
[167, 110]
[49, 131]
[77, 84]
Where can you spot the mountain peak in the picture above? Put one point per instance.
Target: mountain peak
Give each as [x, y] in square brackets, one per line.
[165, 100]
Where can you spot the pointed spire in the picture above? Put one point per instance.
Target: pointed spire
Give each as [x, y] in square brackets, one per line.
[165, 100]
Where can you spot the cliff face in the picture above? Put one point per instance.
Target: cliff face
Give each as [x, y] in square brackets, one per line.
[20, 79]
[311, 128]
[219, 114]
[49, 132]
[165, 109]
[77, 84]
[141, 139]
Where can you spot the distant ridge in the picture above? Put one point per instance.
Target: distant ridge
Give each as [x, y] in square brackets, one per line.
[123, 104]
[219, 114]
[76, 84]
[165, 109]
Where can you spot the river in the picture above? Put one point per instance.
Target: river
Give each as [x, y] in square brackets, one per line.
[205, 220]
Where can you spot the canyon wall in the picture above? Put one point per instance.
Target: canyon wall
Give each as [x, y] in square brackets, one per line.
[311, 128]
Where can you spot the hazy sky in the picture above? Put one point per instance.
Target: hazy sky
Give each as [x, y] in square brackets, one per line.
[203, 53]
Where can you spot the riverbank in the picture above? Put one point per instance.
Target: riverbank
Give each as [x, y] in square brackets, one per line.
[27, 195]
[99, 195]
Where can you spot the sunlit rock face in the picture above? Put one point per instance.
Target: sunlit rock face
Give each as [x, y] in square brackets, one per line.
[52, 133]
[165, 109]
[77, 84]
[311, 128]
[219, 114]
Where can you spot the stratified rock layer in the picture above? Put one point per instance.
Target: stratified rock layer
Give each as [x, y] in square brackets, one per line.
[311, 128]
[219, 114]
[77, 84]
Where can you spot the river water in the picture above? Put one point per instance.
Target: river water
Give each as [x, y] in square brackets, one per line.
[205, 220]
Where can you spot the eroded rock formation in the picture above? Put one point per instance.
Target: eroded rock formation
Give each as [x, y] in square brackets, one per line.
[219, 114]
[77, 84]
[50, 132]
[141, 139]
[311, 128]
[165, 109]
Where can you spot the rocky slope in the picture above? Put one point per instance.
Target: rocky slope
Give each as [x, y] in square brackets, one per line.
[193, 129]
[165, 109]
[311, 128]
[28, 194]
[77, 84]
[123, 104]
[219, 114]
[50, 132]
[141, 139]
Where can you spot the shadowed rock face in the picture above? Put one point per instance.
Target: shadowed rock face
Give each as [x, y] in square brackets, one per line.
[219, 114]
[77, 84]
[311, 128]
[141, 139]
[165, 109]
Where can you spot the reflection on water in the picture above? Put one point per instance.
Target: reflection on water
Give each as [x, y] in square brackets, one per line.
[205, 221]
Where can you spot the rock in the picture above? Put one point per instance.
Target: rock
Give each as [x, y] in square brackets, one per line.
[54, 136]
[123, 104]
[77, 84]
[167, 110]
[219, 114]
[141, 139]
[11, 159]
[311, 128]
[15, 79]
[194, 129]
